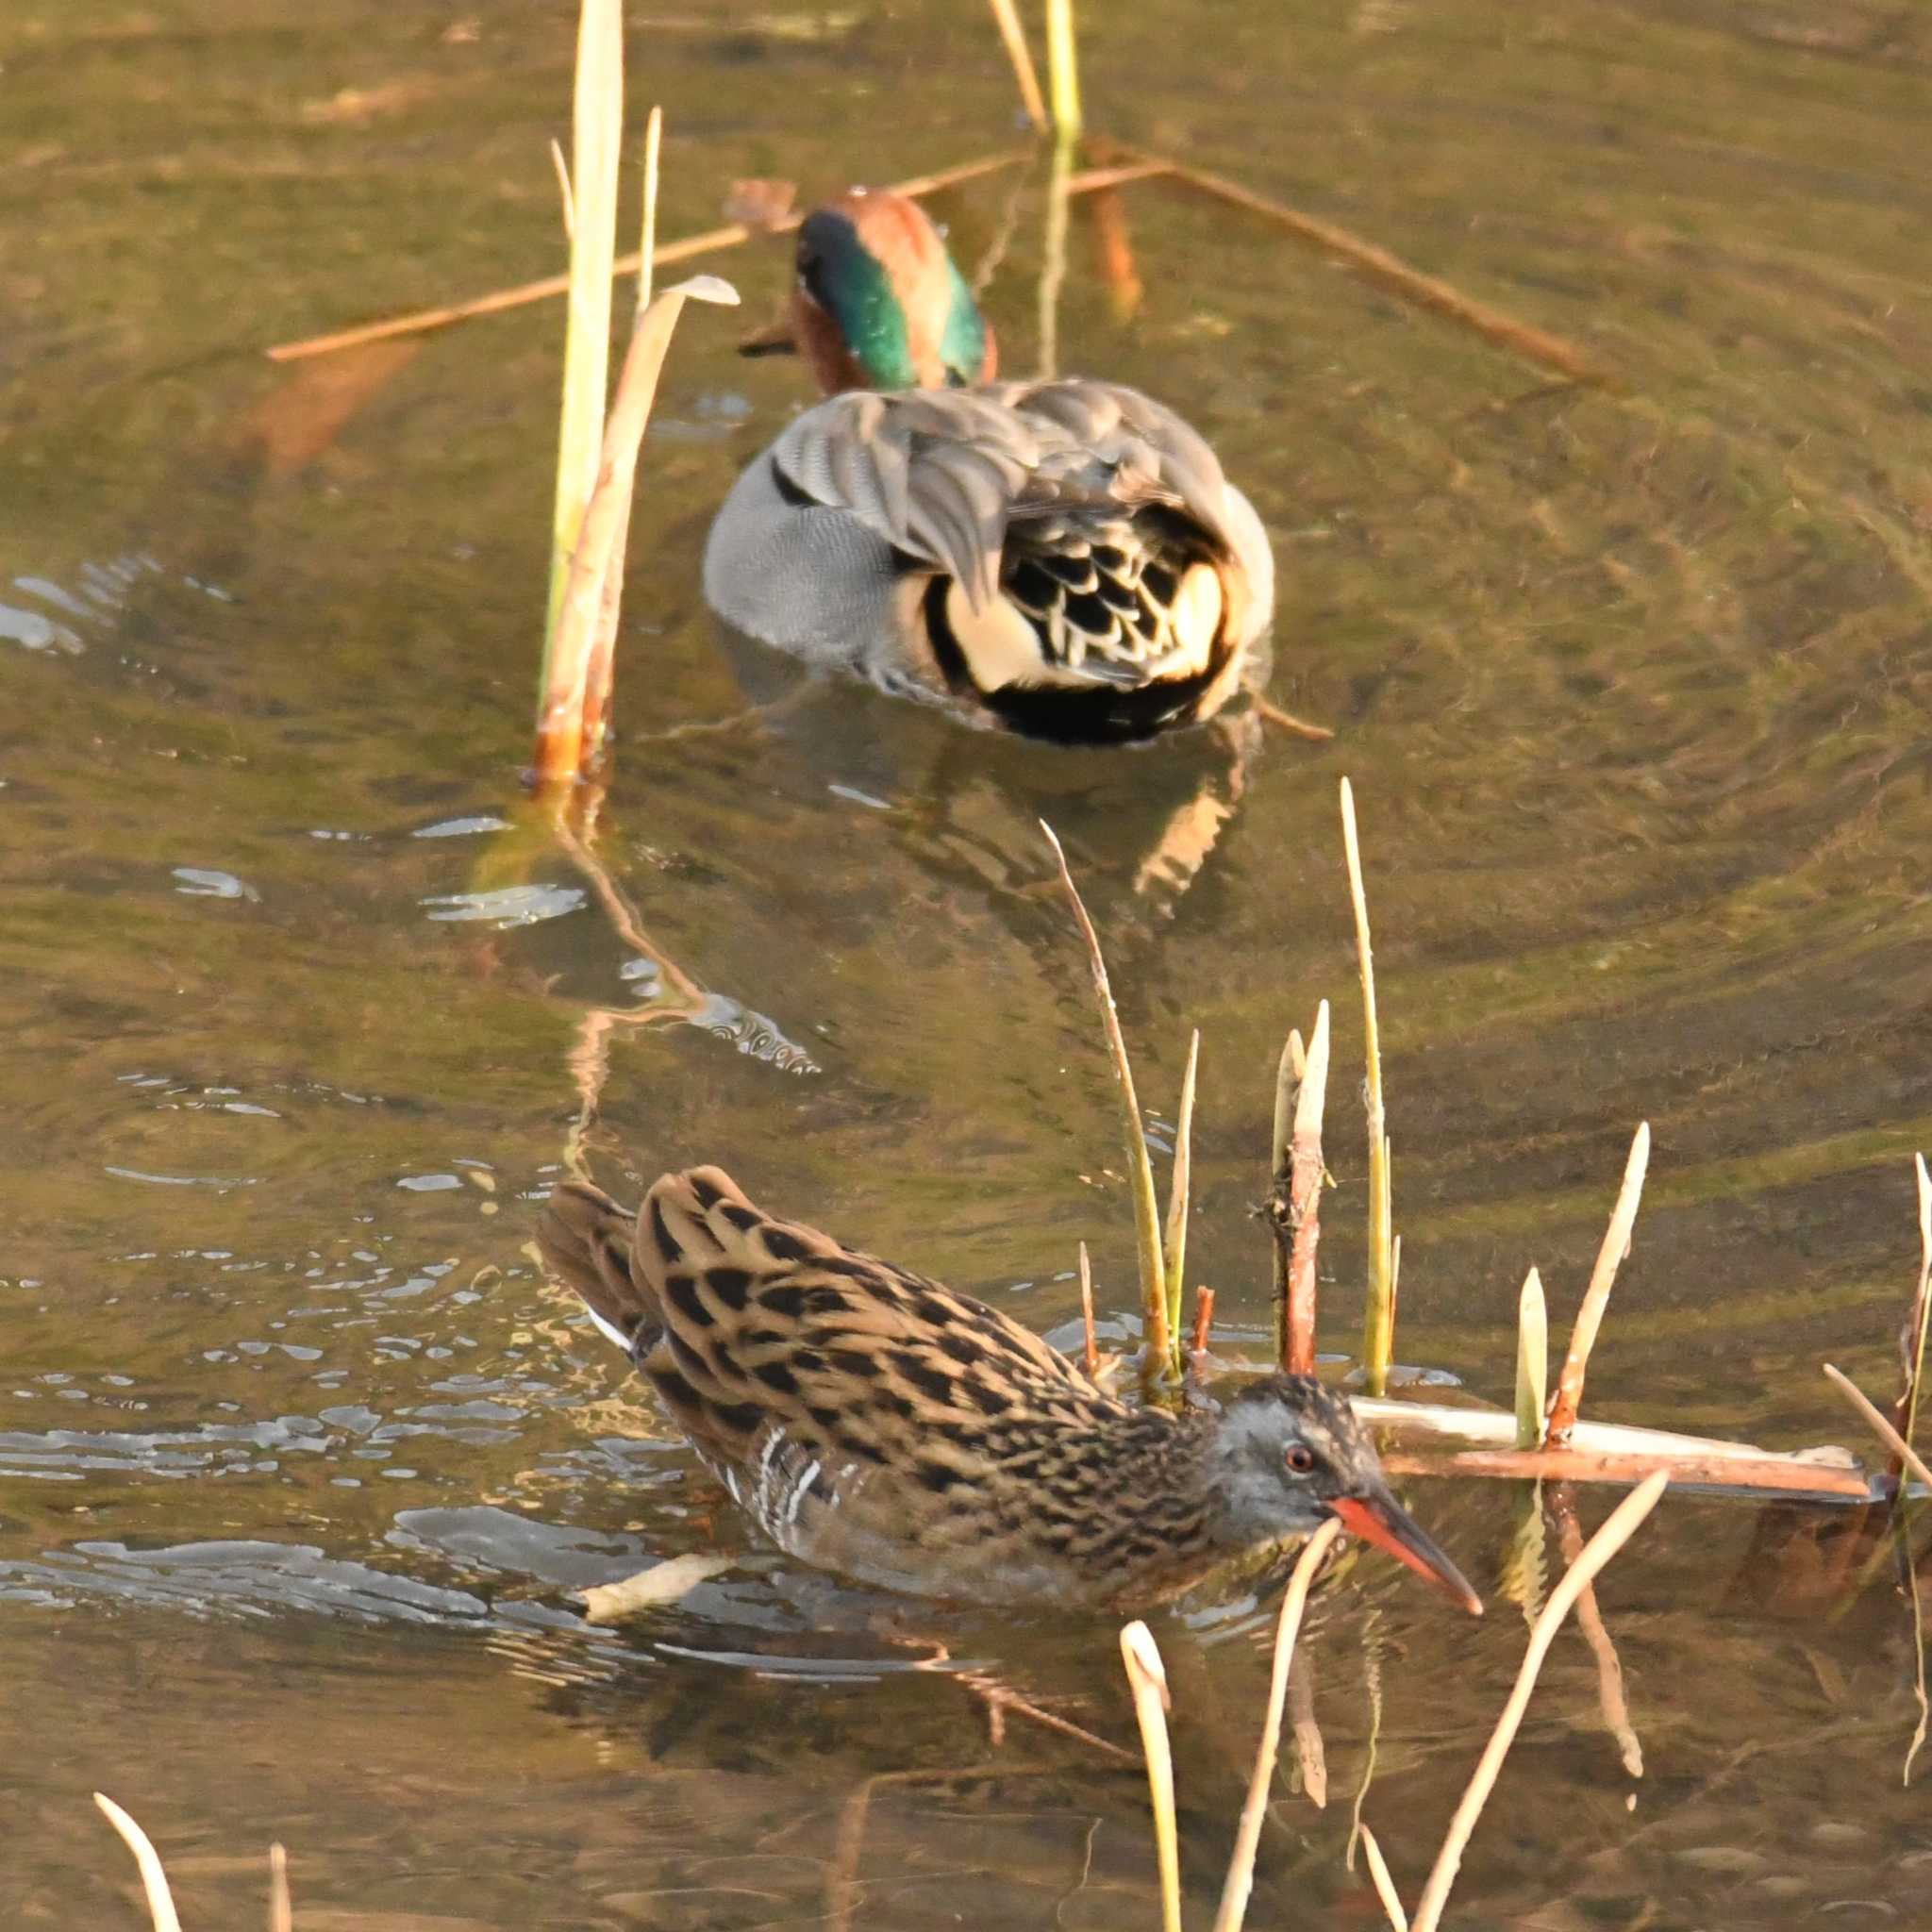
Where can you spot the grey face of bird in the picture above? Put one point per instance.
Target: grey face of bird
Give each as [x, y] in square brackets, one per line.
[1287, 1454]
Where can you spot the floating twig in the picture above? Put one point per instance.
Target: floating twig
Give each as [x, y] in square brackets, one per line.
[1295, 1207]
[1616, 1531]
[1178, 1184]
[1287, 721]
[1378, 1316]
[1770, 1475]
[1241, 1870]
[154, 1881]
[1159, 1367]
[1603, 1277]
[1382, 268]
[1013, 37]
[1147, 1678]
[686, 248]
[1532, 1361]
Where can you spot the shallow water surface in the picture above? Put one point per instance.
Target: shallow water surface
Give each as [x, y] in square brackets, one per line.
[302, 1463]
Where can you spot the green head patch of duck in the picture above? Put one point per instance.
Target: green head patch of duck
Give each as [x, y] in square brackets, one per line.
[879, 304]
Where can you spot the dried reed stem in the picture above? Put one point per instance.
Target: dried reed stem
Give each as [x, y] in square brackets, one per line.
[596, 141]
[1295, 727]
[1616, 1531]
[1603, 1277]
[1090, 1357]
[1296, 1207]
[1159, 1367]
[562, 167]
[1905, 1414]
[1289, 1075]
[1241, 1870]
[561, 717]
[1052, 256]
[686, 248]
[1006, 17]
[1382, 268]
[1178, 1184]
[281, 1912]
[1147, 1678]
[1589, 1620]
[1532, 1361]
[1906, 1455]
[599, 672]
[1385, 1885]
[154, 1881]
[1378, 1316]
[1062, 71]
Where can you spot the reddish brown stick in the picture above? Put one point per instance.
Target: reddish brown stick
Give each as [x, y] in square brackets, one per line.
[1592, 1466]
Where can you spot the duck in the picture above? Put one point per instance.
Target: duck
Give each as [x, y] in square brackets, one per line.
[872, 1421]
[1062, 558]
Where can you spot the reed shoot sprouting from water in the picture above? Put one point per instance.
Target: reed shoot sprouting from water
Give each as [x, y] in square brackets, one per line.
[1378, 1315]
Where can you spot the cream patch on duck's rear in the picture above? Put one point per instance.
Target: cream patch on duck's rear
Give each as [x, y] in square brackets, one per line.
[998, 643]
[1199, 606]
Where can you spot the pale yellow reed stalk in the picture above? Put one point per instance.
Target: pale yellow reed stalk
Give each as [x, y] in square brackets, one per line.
[1147, 1678]
[1603, 1277]
[1240, 1886]
[1616, 1531]
[1178, 1184]
[154, 1881]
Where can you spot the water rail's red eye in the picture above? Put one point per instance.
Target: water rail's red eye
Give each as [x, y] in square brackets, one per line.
[1299, 1458]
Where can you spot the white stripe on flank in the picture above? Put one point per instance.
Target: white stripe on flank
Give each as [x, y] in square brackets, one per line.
[609, 1329]
[795, 1502]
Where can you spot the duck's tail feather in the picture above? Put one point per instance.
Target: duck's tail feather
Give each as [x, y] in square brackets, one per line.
[586, 1242]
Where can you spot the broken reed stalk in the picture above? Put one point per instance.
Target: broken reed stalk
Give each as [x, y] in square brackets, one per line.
[154, 1881]
[1616, 1531]
[561, 718]
[596, 141]
[1532, 1361]
[1013, 37]
[1178, 1184]
[1385, 1885]
[1090, 1357]
[1312, 1758]
[601, 668]
[281, 1912]
[1239, 1885]
[1147, 1678]
[1603, 1277]
[687, 247]
[1378, 1316]
[1295, 1207]
[1062, 71]
[1905, 1413]
[1289, 1075]
[1160, 1363]
[1380, 267]
[1204, 1323]
[1908, 1458]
